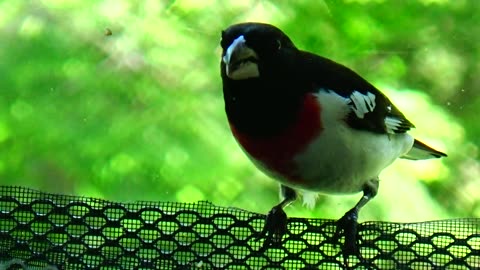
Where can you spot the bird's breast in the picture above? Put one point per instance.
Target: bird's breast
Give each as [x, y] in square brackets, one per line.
[274, 154]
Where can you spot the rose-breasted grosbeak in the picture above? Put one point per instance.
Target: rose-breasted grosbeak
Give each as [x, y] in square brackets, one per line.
[309, 122]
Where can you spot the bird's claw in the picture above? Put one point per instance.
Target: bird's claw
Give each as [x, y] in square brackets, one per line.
[348, 225]
[275, 226]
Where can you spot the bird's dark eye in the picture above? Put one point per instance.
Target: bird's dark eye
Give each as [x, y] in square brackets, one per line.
[279, 44]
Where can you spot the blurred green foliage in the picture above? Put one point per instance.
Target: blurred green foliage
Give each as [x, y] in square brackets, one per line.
[137, 114]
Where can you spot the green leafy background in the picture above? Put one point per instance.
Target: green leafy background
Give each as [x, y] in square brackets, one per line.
[138, 114]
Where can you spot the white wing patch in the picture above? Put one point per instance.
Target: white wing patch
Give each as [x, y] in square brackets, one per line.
[392, 124]
[362, 104]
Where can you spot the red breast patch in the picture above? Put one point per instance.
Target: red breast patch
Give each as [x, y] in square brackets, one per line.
[276, 153]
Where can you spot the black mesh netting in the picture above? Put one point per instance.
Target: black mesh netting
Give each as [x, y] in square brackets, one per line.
[39, 230]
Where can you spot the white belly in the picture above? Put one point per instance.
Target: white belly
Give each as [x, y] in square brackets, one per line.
[336, 163]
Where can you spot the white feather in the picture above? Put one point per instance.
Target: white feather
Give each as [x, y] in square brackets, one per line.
[362, 104]
[392, 124]
[309, 199]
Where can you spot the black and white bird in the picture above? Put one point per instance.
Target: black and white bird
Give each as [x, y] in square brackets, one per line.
[310, 123]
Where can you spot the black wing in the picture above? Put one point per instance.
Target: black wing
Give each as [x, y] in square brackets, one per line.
[371, 110]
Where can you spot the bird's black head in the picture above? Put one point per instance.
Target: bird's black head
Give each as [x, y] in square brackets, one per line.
[260, 79]
[250, 49]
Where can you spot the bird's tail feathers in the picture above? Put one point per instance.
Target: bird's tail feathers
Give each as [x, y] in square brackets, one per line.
[422, 151]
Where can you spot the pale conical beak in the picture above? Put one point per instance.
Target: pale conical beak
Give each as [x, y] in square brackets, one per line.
[240, 61]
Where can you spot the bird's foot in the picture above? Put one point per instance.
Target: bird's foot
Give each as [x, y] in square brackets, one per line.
[275, 226]
[348, 225]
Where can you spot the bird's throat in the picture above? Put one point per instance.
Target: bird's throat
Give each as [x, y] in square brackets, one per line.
[260, 114]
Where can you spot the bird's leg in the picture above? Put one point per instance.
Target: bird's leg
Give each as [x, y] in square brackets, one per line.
[348, 223]
[276, 220]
